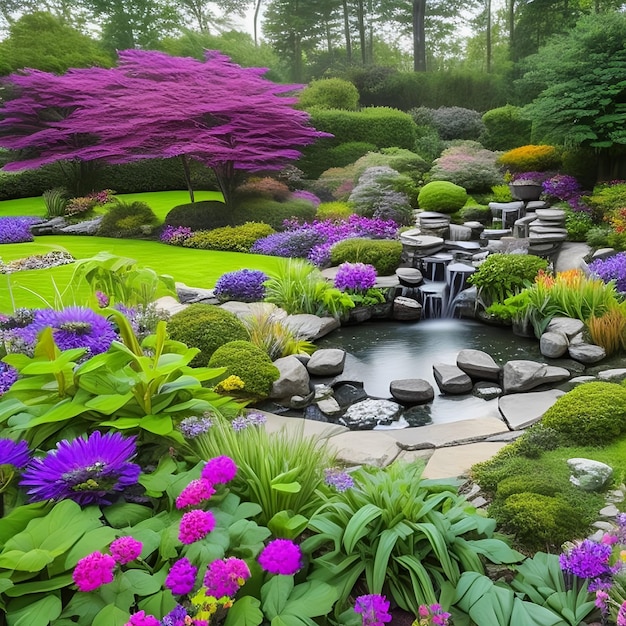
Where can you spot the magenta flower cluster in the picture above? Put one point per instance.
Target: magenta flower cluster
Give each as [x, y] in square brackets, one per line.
[182, 577]
[373, 608]
[195, 493]
[354, 277]
[243, 285]
[281, 556]
[612, 268]
[224, 577]
[219, 470]
[125, 549]
[434, 613]
[89, 471]
[195, 525]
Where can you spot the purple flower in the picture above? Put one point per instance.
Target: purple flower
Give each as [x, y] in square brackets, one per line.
[243, 285]
[355, 277]
[88, 471]
[281, 556]
[239, 423]
[176, 617]
[340, 480]
[176, 235]
[102, 299]
[434, 614]
[195, 525]
[194, 493]
[125, 549]
[621, 615]
[221, 469]
[254, 418]
[194, 426]
[14, 453]
[588, 559]
[17, 229]
[562, 187]
[225, 577]
[612, 268]
[309, 196]
[181, 577]
[93, 571]
[374, 609]
[73, 327]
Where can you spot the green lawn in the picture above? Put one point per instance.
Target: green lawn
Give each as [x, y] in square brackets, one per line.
[199, 268]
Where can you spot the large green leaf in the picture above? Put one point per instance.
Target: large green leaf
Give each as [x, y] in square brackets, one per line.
[357, 527]
[111, 615]
[244, 612]
[275, 595]
[33, 610]
[40, 586]
[386, 543]
[32, 561]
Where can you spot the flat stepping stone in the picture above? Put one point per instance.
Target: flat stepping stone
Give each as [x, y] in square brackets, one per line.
[469, 246]
[550, 214]
[457, 462]
[520, 410]
[541, 238]
[533, 205]
[371, 447]
[616, 375]
[495, 233]
[554, 230]
[450, 434]
[309, 428]
[451, 379]
[412, 391]
[478, 365]
[409, 277]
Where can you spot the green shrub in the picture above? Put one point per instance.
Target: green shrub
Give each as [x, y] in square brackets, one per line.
[526, 483]
[333, 211]
[384, 255]
[204, 215]
[536, 440]
[29, 183]
[594, 413]
[457, 123]
[229, 238]
[250, 363]
[578, 225]
[531, 158]
[608, 198]
[441, 196]
[128, 220]
[272, 212]
[472, 213]
[505, 128]
[540, 521]
[345, 154]
[330, 93]
[399, 159]
[503, 275]
[598, 236]
[205, 327]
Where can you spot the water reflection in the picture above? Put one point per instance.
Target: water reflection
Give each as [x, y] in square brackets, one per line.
[379, 352]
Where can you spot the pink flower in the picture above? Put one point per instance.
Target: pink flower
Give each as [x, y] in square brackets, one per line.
[93, 571]
[225, 577]
[141, 619]
[195, 525]
[281, 556]
[125, 549]
[194, 493]
[181, 577]
[221, 469]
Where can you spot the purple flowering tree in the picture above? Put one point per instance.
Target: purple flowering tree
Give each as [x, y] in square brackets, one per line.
[153, 105]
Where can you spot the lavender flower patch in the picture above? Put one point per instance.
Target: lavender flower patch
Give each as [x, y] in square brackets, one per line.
[243, 285]
[355, 277]
[176, 235]
[613, 268]
[17, 229]
[309, 196]
[562, 187]
[290, 243]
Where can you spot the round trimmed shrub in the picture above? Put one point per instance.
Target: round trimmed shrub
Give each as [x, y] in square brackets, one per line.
[272, 212]
[128, 220]
[242, 285]
[205, 327]
[531, 158]
[385, 255]
[594, 412]
[442, 196]
[203, 215]
[251, 364]
[229, 238]
[330, 93]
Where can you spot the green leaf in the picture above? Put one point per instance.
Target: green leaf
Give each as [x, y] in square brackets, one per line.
[356, 528]
[31, 561]
[287, 525]
[386, 544]
[287, 487]
[311, 599]
[157, 424]
[126, 514]
[275, 594]
[111, 615]
[19, 517]
[244, 612]
[159, 603]
[122, 423]
[33, 611]
[64, 410]
[143, 583]
[108, 404]
[39, 586]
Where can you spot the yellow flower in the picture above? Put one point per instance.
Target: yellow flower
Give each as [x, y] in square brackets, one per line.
[232, 383]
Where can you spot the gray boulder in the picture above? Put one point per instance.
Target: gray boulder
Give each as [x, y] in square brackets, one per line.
[616, 375]
[311, 327]
[293, 378]
[566, 325]
[478, 364]
[370, 413]
[326, 362]
[586, 353]
[520, 375]
[589, 475]
[88, 227]
[406, 309]
[451, 379]
[553, 344]
[412, 391]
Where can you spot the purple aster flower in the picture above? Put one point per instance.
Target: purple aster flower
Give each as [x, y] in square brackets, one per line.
[225, 577]
[8, 375]
[340, 480]
[194, 426]
[125, 549]
[142, 619]
[602, 601]
[176, 235]
[374, 609]
[589, 559]
[281, 556]
[221, 469]
[17, 229]
[243, 285]
[612, 268]
[195, 525]
[255, 418]
[14, 453]
[88, 471]
[73, 327]
[181, 577]
[194, 493]
[355, 277]
[93, 571]
[176, 617]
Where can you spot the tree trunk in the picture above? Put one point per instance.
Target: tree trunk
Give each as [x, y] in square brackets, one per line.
[419, 38]
[361, 19]
[346, 32]
[187, 174]
[488, 41]
[511, 20]
[257, 9]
